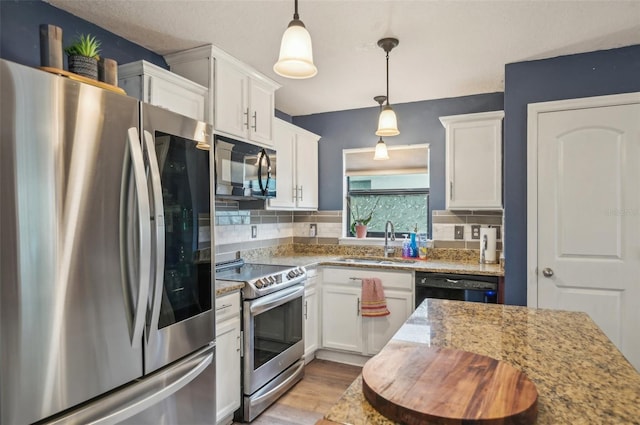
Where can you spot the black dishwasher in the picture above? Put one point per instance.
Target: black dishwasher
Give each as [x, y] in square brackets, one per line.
[462, 287]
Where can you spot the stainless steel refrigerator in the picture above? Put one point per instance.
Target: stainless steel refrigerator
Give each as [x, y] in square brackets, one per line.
[106, 231]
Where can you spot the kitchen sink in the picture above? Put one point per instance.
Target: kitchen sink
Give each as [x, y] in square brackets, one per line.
[381, 261]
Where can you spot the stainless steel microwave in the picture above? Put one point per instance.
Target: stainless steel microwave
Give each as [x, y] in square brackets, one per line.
[243, 171]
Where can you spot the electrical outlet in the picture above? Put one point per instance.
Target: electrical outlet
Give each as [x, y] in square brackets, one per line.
[254, 232]
[313, 230]
[459, 232]
[475, 231]
[498, 232]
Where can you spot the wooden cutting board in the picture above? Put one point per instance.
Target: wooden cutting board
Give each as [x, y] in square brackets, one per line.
[417, 384]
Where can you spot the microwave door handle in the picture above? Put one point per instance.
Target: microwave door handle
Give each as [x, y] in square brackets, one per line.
[264, 188]
[144, 213]
[158, 208]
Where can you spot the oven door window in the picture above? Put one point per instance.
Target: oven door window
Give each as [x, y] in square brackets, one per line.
[184, 173]
[276, 330]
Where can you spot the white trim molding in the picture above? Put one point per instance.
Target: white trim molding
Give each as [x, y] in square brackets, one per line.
[534, 110]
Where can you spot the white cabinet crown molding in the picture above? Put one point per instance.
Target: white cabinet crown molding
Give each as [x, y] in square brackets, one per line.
[210, 50]
[137, 68]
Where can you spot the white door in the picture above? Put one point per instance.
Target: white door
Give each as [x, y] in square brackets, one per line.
[588, 218]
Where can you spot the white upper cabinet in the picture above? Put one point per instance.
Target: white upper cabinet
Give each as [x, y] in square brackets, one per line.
[160, 87]
[474, 161]
[296, 167]
[241, 100]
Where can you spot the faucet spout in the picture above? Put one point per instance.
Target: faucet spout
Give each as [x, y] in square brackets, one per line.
[388, 250]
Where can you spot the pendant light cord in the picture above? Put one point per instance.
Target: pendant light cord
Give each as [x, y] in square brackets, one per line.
[295, 13]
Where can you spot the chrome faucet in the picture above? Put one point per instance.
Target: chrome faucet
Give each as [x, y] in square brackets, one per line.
[388, 250]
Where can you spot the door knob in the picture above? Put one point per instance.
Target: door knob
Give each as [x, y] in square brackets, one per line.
[547, 272]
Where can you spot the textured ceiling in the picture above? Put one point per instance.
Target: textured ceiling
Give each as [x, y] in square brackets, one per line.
[447, 48]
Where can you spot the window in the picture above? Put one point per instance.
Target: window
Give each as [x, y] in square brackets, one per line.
[396, 190]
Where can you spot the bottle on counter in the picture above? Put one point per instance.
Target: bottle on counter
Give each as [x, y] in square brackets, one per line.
[406, 247]
[413, 243]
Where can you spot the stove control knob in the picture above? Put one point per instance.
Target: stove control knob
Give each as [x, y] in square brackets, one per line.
[272, 280]
[259, 283]
[291, 274]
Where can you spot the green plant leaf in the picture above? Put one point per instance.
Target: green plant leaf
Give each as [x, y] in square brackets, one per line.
[84, 45]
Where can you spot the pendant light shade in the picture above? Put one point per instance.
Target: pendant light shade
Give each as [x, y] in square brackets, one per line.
[381, 147]
[381, 151]
[388, 122]
[296, 54]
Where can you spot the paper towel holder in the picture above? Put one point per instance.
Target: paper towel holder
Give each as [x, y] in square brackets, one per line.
[488, 246]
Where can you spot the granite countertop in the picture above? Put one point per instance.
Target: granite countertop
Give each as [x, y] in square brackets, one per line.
[224, 287]
[441, 266]
[313, 260]
[581, 377]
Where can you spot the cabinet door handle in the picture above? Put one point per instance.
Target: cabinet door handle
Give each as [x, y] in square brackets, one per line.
[295, 193]
[301, 198]
[255, 121]
[241, 339]
[451, 190]
[358, 309]
[238, 343]
[305, 310]
[246, 114]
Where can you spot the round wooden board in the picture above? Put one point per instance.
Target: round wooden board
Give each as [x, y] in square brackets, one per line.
[417, 384]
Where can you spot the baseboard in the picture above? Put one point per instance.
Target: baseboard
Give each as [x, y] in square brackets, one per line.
[342, 357]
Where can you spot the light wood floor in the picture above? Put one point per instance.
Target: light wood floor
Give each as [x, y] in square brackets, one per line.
[322, 385]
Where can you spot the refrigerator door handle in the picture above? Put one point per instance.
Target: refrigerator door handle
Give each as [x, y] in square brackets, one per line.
[144, 212]
[158, 209]
[142, 394]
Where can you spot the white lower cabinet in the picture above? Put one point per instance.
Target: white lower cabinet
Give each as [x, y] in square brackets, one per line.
[228, 351]
[380, 330]
[341, 320]
[311, 315]
[343, 327]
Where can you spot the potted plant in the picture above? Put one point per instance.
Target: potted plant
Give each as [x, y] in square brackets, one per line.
[83, 56]
[360, 220]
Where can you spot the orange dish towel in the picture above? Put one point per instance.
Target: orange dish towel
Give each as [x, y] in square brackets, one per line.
[374, 303]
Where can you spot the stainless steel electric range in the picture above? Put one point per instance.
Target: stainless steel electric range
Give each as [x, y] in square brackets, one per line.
[273, 326]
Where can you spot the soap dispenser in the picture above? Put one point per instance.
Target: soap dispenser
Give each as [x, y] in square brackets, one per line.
[406, 247]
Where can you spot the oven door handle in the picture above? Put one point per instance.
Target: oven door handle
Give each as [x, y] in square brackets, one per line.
[275, 299]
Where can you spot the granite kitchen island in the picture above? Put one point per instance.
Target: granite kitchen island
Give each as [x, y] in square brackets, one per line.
[580, 376]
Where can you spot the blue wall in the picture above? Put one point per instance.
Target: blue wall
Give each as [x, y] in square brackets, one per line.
[418, 123]
[20, 34]
[566, 77]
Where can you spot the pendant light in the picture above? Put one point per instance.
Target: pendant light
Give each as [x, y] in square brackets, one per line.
[387, 123]
[296, 54]
[381, 147]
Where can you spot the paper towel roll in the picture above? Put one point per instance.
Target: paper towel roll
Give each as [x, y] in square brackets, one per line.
[488, 245]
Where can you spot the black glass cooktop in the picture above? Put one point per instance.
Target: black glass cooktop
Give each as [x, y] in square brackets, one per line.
[248, 272]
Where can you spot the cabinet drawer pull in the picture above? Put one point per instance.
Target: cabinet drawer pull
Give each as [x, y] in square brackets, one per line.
[305, 310]
[223, 306]
[358, 309]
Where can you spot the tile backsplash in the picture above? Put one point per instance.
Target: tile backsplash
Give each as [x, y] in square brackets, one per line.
[445, 223]
[234, 228]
